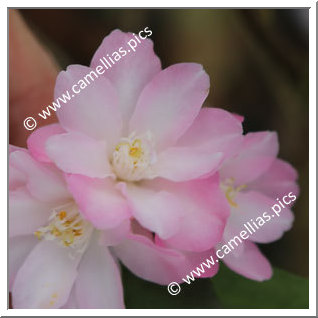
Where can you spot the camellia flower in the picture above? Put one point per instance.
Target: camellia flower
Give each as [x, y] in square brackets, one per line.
[133, 158]
[67, 267]
[254, 180]
[136, 144]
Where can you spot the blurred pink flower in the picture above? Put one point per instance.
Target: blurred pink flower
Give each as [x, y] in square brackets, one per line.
[253, 180]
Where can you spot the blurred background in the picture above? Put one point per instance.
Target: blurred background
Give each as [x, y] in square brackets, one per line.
[257, 60]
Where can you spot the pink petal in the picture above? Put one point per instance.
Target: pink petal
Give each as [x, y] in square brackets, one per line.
[13, 148]
[98, 201]
[78, 153]
[214, 130]
[182, 164]
[195, 261]
[36, 141]
[19, 248]
[44, 181]
[278, 181]
[204, 211]
[132, 72]
[114, 236]
[16, 178]
[46, 277]
[26, 214]
[258, 152]
[251, 263]
[71, 302]
[170, 102]
[252, 205]
[159, 211]
[98, 284]
[151, 262]
[94, 111]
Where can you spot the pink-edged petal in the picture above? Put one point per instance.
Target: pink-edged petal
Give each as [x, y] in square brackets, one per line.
[251, 206]
[251, 263]
[46, 277]
[36, 141]
[257, 154]
[159, 211]
[99, 201]
[214, 130]
[98, 284]
[204, 211]
[44, 181]
[79, 154]
[132, 72]
[202, 264]
[240, 118]
[19, 248]
[278, 181]
[170, 102]
[150, 261]
[94, 110]
[182, 164]
[26, 214]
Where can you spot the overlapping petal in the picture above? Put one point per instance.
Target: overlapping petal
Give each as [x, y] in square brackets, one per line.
[170, 102]
[132, 72]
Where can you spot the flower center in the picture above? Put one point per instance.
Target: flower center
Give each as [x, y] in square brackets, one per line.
[133, 158]
[230, 191]
[67, 227]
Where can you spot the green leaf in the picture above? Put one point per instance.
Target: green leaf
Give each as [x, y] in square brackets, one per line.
[140, 294]
[284, 290]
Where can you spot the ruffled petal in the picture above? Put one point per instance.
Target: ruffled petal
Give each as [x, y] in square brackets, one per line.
[197, 216]
[94, 111]
[251, 206]
[132, 72]
[99, 201]
[214, 130]
[170, 102]
[46, 277]
[26, 214]
[257, 154]
[251, 263]
[98, 284]
[44, 181]
[159, 211]
[183, 164]
[150, 261]
[37, 140]
[79, 154]
[278, 181]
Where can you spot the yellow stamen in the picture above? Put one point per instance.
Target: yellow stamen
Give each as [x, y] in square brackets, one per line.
[38, 234]
[62, 215]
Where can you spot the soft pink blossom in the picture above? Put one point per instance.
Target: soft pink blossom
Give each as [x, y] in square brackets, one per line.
[253, 180]
[133, 162]
[136, 144]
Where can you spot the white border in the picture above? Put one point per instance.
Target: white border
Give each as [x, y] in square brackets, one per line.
[312, 164]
